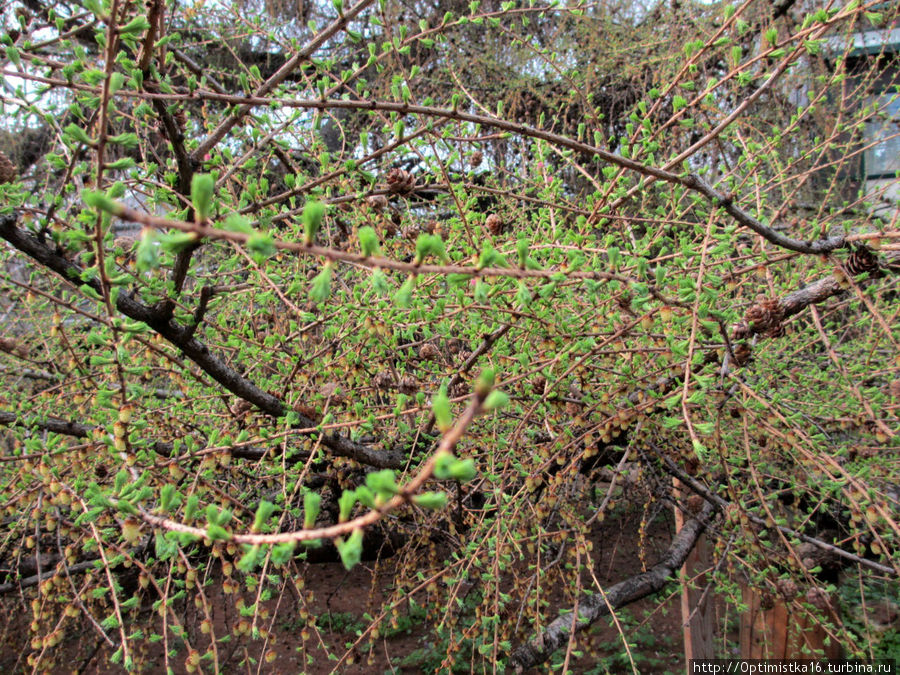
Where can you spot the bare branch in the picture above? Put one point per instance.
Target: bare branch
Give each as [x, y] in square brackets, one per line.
[594, 607]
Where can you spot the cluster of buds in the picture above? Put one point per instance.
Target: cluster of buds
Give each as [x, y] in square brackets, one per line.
[694, 504]
[241, 409]
[765, 318]
[787, 588]
[742, 353]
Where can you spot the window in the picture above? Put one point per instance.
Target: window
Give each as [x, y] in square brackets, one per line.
[882, 160]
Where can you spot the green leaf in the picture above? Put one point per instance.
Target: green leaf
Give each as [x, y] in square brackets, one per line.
[238, 223]
[403, 297]
[165, 547]
[217, 533]
[128, 139]
[351, 550]
[313, 213]
[320, 289]
[175, 242]
[250, 560]
[262, 244]
[463, 470]
[116, 80]
[168, 498]
[346, 502]
[13, 55]
[431, 500]
[263, 512]
[78, 134]
[705, 428]
[430, 244]
[190, 509]
[496, 400]
[383, 483]
[700, 450]
[440, 406]
[147, 256]
[137, 26]
[480, 295]
[490, 258]
[368, 241]
[122, 164]
[522, 252]
[202, 187]
[442, 464]
[101, 202]
[283, 552]
[120, 481]
[186, 538]
[380, 283]
[312, 504]
[523, 295]
[484, 383]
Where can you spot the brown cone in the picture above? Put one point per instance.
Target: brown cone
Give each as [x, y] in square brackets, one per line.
[742, 354]
[861, 260]
[400, 181]
[765, 315]
[7, 169]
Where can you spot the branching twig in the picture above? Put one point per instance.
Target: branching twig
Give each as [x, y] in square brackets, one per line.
[590, 609]
[405, 494]
[719, 502]
[195, 350]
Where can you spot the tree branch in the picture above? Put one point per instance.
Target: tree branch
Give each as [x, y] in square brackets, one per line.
[196, 351]
[35, 579]
[321, 38]
[743, 218]
[538, 649]
[691, 182]
[78, 430]
[698, 488]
